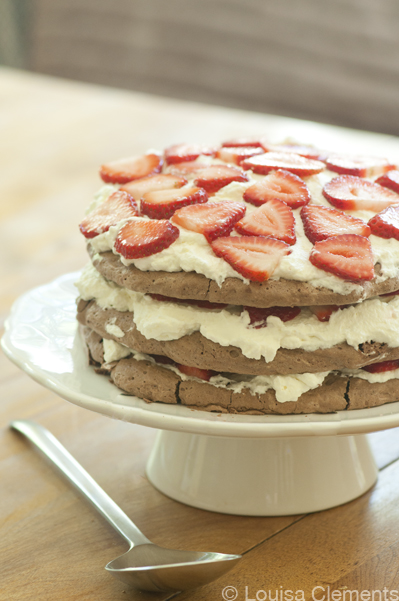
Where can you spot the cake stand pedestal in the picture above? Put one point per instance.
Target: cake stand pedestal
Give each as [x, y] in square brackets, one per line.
[271, 476]
[239, 464]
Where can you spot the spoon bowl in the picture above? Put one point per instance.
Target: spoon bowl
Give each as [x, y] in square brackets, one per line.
[145, 566]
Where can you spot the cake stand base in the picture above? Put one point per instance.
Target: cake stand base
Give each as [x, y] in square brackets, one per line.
[261, 476]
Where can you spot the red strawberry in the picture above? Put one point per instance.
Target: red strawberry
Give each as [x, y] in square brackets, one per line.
[348, 256]
[255, 257]
[323, 312]
[386, 223]
[142, 238]
[162, 181]
[274, 219]
[120, 205]
[377, 368]
[212, 219]
[210, 177]
[203, 304]
[351, 193]
[279, 184]
[214, 177]
[196, 372]
[253, 142]
[362, 166]
[161, 204]
[307, 151]
[259, 316]
[186, 152]
[236, 154]
[295, 163]
[321, 222]
[127, 170]
[390, 180]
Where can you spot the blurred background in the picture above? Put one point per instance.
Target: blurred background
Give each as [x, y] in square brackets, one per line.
[329, 61]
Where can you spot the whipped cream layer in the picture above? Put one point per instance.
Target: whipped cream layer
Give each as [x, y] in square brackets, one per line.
[372, 320]
[191, 252]
[286, 388]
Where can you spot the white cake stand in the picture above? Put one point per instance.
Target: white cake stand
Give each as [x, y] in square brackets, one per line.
[245, 465]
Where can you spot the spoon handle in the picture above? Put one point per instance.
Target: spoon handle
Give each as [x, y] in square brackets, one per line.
[75, 473]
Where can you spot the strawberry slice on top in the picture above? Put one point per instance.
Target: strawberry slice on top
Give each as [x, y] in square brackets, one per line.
[305, 150]
[348, 256]
[210, 177]
[244, 141]
[126, 170]
[390, 180]
[321, 222]
[142, 238]
[295, 163]
[161, 204]
[273, 218]
[361, 166]
[254, 257]
[212, 219]
[352, 193]
[259, 316]
[386, 223]
[178, 153]
[236, 154]
[280, 184]
[120, 205]
[215, 177]
[162, 181]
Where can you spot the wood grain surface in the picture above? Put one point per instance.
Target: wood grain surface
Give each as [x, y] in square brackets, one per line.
[53, 136]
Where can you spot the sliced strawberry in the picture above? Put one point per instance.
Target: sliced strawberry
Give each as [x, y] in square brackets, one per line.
[274, 219]
[142, 238]
[280, 184]
[236, 154]
[215, 177]
[189, 168]
[295, 163]
[253, 142]
[323, 312]
[161, 204]
[120, 205]
[351, 193]
[386, 223]
[212, 219]
[362, 166]
[127, 170]
[255, 257]
[321, 222]
[348, 256]
[203, 304]
[163, 181]
[187, 152]
[390, 180]
[210, 177]
[305, 150]
[259, 316]
[196, 372]
[377, 368]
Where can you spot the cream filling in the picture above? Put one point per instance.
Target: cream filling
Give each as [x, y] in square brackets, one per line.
[372, 320]
[191, 252]
[286, 388]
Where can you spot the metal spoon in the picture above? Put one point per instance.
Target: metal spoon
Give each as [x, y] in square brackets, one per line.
[145, 566]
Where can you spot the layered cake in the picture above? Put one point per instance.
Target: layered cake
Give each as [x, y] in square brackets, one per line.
[245, 278]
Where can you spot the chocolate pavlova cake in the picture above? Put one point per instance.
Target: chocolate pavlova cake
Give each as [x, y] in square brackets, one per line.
[245, 278]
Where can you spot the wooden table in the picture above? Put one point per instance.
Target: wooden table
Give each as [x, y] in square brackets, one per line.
[53, 136]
